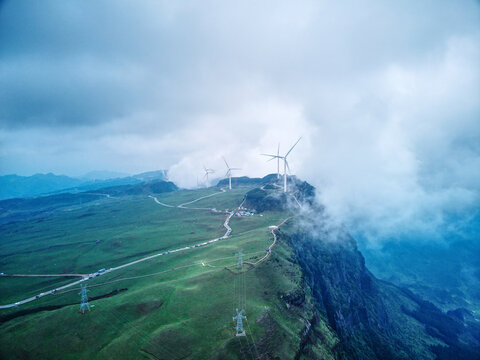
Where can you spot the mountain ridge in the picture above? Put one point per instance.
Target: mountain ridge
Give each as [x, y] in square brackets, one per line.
[16, 186]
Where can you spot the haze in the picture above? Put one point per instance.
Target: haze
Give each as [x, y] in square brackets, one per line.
[384, 94]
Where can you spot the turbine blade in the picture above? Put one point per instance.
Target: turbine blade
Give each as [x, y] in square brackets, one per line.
[288, 167]
[278, 150]
[293, 146]
[226, 163]
[273, 156]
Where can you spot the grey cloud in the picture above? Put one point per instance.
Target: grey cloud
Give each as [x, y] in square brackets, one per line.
[385, 95]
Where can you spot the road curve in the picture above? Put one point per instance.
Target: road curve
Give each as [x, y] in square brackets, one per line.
[182, 206]
[269, 249]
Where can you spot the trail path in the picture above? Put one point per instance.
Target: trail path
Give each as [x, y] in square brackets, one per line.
[182, 206]
[269, 249]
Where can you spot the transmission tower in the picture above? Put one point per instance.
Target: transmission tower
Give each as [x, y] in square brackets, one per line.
[84, 302]
[239, 318]
[240, 260]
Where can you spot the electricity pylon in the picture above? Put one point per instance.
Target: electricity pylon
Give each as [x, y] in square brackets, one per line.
[84, 302]
[239, 318]
[240, 260]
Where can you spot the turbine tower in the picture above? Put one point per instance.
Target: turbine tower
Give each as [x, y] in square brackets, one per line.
[285, 162]
[278, 161]
[207, 171]
[229, 174]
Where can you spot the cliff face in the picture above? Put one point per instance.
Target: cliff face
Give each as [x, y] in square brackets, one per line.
[372, 318]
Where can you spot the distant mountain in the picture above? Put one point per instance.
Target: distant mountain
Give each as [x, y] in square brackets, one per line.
[12, 186]
[99, 184]
[15, 186]
[152, 175]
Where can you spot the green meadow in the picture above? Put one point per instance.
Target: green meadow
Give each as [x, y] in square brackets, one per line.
[176, 306]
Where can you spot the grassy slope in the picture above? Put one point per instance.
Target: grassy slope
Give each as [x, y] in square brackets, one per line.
[183, 312]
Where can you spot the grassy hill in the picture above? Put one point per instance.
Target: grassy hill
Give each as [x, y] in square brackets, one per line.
[310, 298]
[170, 307]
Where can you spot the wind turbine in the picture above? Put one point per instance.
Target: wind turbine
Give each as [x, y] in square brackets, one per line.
[285, 163]
[278, 157]
[207, 171]
[229, 174]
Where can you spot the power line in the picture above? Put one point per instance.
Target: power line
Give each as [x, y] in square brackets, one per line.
[253, 340]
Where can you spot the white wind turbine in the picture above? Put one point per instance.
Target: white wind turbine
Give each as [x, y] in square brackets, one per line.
[285, 163]
[207, 171]
[278, 157]
[229, 174]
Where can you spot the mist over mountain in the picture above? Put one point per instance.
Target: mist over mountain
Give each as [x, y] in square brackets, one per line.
[373, 318]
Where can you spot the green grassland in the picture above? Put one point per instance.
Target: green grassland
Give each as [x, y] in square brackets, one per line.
[169, 307]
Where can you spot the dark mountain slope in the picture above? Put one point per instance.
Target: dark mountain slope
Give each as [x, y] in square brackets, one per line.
[445, 272]
[248, 181]
[373, 319]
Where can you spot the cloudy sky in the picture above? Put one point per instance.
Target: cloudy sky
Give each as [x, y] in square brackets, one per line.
[385, 94]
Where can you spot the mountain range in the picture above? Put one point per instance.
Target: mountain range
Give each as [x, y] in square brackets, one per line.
[15, 186]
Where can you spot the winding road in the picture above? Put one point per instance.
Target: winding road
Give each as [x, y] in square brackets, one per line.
[86, 277]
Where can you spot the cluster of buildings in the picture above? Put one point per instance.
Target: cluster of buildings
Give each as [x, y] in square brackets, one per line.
[244, 212]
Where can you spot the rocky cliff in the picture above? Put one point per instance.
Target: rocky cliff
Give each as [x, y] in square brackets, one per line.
[373, 319]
